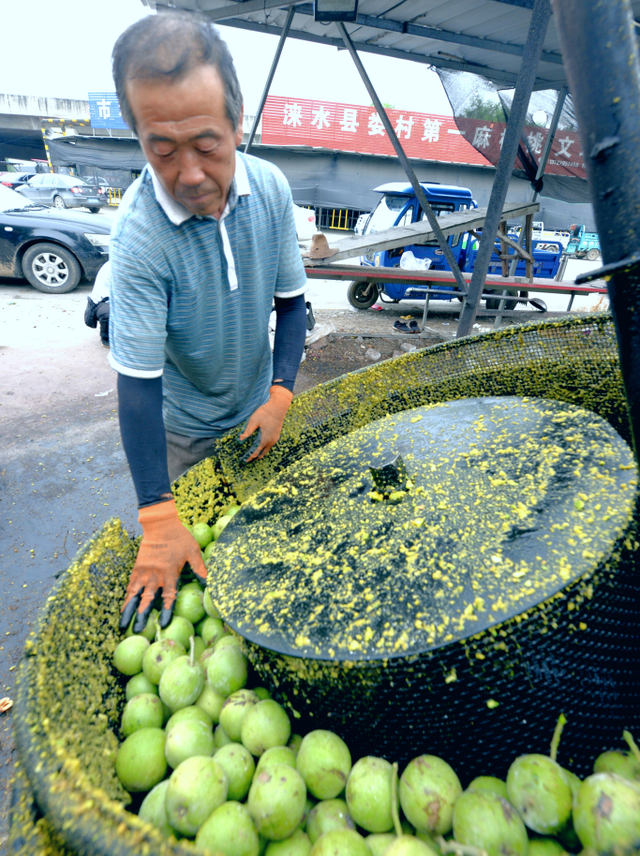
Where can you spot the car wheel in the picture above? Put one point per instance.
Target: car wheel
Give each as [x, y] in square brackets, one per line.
[94, 210]
[51, 269]
[58, 202]
[362, 294]
[593, 254]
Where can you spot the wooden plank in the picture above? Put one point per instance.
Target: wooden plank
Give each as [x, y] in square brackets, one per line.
[528, 243]
[504, 252]
[416, 233]
[505, 239]
[433, 278]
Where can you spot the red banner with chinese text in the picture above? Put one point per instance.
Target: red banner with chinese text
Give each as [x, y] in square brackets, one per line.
[566, 156]
[355, 128]
[425, 136]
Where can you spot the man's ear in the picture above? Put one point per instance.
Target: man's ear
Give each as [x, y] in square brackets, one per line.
[239, 129]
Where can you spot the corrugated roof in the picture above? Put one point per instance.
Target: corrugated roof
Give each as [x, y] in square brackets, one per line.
[481, 36]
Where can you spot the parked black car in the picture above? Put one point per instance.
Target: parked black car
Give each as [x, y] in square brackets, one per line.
[52, 249]
[15, 179]
[64, 191]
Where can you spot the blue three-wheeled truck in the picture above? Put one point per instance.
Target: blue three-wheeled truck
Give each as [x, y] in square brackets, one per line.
[399, 206]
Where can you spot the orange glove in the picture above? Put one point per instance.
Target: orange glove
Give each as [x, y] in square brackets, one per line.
[166, 546]
[268, 420]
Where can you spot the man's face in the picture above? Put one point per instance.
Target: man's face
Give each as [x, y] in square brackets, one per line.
[187, 138]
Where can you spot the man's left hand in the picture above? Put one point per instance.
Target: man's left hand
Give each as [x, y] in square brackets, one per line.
[268, 420]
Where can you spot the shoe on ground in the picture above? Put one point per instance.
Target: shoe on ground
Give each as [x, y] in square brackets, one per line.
[402, 327]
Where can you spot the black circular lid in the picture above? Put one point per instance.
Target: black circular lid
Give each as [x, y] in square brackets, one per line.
[423, 528]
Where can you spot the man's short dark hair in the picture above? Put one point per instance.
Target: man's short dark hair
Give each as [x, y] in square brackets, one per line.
[169, 46]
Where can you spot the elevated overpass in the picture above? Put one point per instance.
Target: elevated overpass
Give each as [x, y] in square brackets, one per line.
[26, 121]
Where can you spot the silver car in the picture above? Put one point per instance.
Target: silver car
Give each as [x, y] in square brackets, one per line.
[64, 191]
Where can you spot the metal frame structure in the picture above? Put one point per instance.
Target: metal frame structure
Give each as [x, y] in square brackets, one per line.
[524, 87]
[269, 81]
[511, 42]
[481, 36]
[404, 160]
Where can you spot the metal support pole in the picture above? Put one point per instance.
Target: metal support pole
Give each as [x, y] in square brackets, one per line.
[544, 157]
[524, 85]
[404, 160]
[546, 149]
[599, 49]
[272, 71]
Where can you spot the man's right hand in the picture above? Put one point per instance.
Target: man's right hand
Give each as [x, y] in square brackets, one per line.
[267, 420]
[167, 545]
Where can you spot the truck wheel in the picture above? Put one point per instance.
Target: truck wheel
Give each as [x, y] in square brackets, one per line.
[362, 294]
[593, 254]
[494, 303]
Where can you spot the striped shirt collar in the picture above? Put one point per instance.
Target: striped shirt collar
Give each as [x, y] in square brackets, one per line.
[178, 214]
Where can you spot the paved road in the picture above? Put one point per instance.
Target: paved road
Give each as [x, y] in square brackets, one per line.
[62, 471]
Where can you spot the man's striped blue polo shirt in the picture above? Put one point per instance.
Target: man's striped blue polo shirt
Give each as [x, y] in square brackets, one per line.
[191, 296]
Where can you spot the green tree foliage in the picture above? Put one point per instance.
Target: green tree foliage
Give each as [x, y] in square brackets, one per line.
[488, 111]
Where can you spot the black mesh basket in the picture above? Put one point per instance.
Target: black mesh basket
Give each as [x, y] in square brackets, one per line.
[69, 697]
[532, 669]
[447, 580]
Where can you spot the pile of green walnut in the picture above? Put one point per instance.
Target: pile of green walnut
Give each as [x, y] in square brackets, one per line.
[221, 768]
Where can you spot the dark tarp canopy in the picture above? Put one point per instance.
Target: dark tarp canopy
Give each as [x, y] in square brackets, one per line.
[336, 180]
[21, 144]
[324, 179]
[101, 152]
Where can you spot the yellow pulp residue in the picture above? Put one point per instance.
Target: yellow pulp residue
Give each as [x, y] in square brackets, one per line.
[499, 513]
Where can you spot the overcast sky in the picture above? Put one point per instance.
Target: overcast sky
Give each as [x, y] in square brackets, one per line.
[62, 49]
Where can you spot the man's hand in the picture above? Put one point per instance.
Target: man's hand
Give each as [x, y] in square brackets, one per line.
[166, 546]
[268, 419]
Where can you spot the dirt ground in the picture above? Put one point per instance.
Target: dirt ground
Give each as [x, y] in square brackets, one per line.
[334, 356]
[63, 472]
[349, 340]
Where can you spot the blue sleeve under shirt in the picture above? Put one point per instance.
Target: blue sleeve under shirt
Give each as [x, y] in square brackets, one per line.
[140, 404]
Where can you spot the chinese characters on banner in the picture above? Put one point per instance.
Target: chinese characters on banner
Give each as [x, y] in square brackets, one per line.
[104, 110]
[354, 128]
[566, 156]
